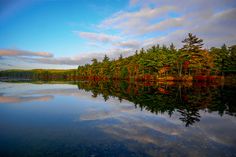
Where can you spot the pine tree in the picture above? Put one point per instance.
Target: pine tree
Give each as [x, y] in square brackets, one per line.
[95, 61]
[192, 56]
[232, 59]
[142, 51]
[172, 47]
[121, 57]
[192, 44]
[106, 58]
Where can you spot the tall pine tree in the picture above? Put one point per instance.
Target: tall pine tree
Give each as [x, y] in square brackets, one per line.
[192, 44]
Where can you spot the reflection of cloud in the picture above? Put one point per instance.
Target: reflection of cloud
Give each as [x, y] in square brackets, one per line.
[14, 99]
[156, 135]
[165, 135]
[133, 127]
[214, 127]
[163, 132]
[97, 115]
[101, 115]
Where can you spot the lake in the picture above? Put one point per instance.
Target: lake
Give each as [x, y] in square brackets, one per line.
[105, 119]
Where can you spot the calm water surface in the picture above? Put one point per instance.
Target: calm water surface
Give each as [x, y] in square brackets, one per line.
[117, 119]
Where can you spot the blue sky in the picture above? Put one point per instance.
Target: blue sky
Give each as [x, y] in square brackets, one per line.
[65, 34]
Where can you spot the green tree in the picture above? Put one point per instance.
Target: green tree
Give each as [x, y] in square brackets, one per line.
[172, 47]
[94, 61]
[121, 57]
[106, 58]
[124, 72]
[192, 54]
[192, 44]
[232, 58]
[142, 51]
[221, 58]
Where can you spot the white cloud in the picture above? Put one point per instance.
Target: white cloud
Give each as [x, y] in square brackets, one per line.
[211, 20]
[99, 37]
[164, 25]
[135, 22]
[215, 30]
[13, 53]
[128, 44]
[82, 59]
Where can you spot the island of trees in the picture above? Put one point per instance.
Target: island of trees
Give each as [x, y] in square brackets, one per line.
[159, 63]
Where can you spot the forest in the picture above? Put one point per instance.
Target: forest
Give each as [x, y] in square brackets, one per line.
[158, 63]
[191, 62]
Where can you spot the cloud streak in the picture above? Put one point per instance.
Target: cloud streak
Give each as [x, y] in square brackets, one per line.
[47, 58]
[135, 23]
[128, 44]
[99, 37]
[17, 53]
[14, 99]
[162, 20]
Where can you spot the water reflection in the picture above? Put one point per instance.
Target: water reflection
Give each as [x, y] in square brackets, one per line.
[187, 98]
[117, 119]
[13, 99]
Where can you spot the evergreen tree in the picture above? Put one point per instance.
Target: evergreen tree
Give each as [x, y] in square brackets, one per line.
[192, 54]
[153, 49]
[172, 47]
[142, 51]
[224, 54]
[121, 57]
[164, 48]
[192, 44]
[124, 72]
[232, 56]
[94, 61]
[106, 58]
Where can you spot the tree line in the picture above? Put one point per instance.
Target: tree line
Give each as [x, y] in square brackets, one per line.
[191, 62]
[39, 74]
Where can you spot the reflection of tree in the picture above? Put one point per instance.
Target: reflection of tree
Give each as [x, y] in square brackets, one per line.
[161, 98]
[106, 97]
[189, 116]
[94, 94]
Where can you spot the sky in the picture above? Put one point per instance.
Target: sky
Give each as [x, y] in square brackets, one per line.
[62, 34]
